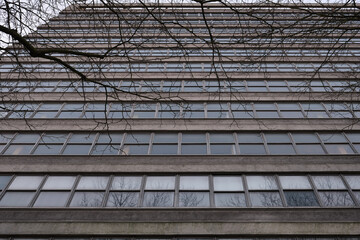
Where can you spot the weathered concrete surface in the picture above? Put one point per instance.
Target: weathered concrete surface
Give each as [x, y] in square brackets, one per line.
[164, 229]
[311, 221]
[180, 163]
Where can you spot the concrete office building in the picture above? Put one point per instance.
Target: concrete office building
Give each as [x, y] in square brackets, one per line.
[218, 122]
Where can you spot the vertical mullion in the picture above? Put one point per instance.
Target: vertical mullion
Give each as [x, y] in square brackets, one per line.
[281, 191]
[37, 192]
[72, 191]
[107, 190]
[142, 191]
[246, 191]
[317, 195]
[211, 190]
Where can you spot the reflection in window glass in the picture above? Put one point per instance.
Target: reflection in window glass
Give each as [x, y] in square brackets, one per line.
[92, 183]
[227, 183]
[52, 199]
[18, 149]
[300, 198]
[158, 199]
[123, 199]
[16, 199]
[294, 182]
[87, 199]
[77, 149]
[230, 200]
[160, 182]
[328, 182]
[194, 199]
[59, 182]
[353, 181]
[261, 182]
[26, 183]
[47, 149]
[126, 183]
[194, 182]
[336, 198]
[4, 180]
[265, 199]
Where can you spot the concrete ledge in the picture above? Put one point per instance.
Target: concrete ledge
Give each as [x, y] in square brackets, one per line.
[168, 229]
[180, 164]
[181, 215]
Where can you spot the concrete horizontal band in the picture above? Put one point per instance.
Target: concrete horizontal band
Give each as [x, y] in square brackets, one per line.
[184, 222]
[180, 164]
[176, 125]
[169, 229]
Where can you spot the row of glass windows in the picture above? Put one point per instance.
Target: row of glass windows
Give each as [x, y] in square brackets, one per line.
[171, 22]
[180, 191]
[182, 110]
[143, 52]
[237, 12]
[185, 67]
[183, 86]
[245, 29]
[201, 143]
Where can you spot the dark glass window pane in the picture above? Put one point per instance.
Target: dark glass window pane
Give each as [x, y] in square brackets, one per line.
[123, 199]
[300, 198]
[135, 149]
[193, 149]
[16, 199]
[193, 138]
[81, 138]
[164, 149]
[281, 149]
[339, 149]
[4, 180]
[18, 149]
[334, 199]
[277, 138]
[26, 138]
[221, 138]
[252, 149]
[105, 149]
[52, 199]
[249, 138]
[158, 199]
[265, 199]
[310, 149]
[230, 200]
[87, 199]
[77, 149]
[110, 138]
[43, 149]
[305, 138]
[166, 138]
[194, 199]
[222, 149]
[137, 138]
